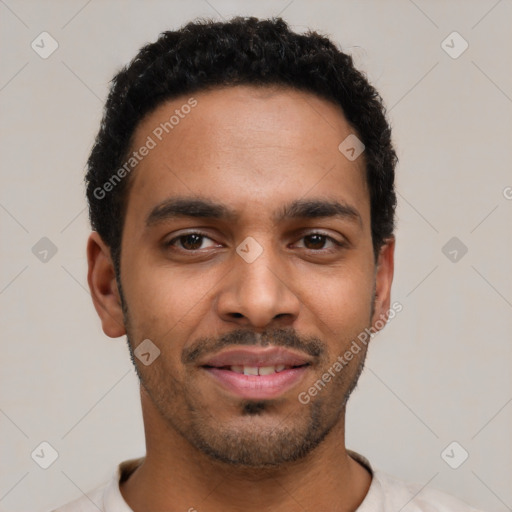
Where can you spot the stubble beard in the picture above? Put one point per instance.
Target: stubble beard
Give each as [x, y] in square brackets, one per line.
[256, 446]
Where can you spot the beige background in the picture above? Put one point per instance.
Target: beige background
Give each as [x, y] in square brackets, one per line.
[440, 372]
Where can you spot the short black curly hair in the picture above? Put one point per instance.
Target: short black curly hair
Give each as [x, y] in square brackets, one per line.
[243, 51]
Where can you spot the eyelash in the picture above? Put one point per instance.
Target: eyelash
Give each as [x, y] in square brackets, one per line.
[338, 244]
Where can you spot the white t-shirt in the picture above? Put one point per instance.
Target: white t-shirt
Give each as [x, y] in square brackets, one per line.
[386, 494]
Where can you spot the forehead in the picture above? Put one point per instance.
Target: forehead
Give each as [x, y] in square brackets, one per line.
[252, 148]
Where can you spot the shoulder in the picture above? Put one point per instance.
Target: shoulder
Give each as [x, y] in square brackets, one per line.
[393, 493]
[90, 502]
[106, 497]
[387, 492]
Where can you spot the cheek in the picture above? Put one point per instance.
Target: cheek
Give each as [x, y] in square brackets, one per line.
[162, 301]
[341, 299]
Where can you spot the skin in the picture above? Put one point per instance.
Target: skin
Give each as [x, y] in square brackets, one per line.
[253, 150]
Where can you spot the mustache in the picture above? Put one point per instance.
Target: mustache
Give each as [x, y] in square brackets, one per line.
[286, 338]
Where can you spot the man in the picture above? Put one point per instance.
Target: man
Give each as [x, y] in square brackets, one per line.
[241, 192]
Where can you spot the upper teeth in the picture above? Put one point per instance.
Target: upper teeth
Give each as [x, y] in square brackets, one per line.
[261, 370]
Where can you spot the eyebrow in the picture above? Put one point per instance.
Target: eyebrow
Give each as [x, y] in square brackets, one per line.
[201, 208]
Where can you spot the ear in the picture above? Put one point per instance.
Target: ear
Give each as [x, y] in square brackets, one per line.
[103, 286]
[383, 280]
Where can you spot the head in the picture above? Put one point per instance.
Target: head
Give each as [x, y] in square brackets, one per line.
[227, 213]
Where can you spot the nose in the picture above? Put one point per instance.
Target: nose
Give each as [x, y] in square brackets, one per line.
[260, 294]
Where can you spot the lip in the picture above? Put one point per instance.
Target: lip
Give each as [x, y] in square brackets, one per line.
[256, 356]
[257, 387]
[254, 387]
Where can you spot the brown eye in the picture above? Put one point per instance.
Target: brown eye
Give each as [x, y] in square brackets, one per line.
[317, 241]
[188, 242]
[191, 242]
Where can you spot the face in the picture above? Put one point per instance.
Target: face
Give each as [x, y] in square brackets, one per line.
[247, 261]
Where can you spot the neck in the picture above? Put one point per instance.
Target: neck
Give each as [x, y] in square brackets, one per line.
[176, 476]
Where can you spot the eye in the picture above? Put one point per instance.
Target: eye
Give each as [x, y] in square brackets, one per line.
[193, 241]
[189, 242]
[316, 242]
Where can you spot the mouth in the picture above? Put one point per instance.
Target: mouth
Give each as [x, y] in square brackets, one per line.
[256, 373]
[255, 370]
